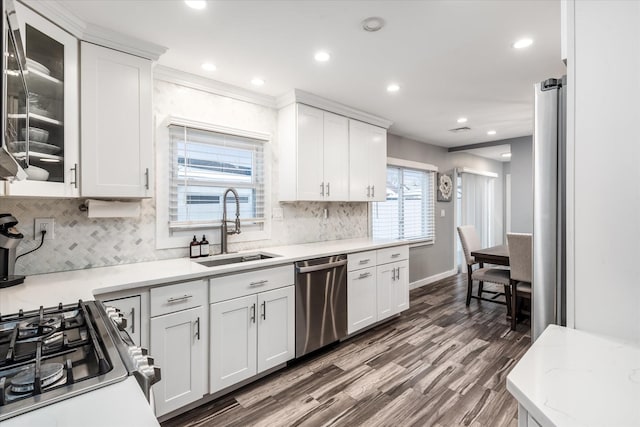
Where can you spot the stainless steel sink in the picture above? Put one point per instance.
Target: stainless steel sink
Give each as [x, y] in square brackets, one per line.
[237, 259]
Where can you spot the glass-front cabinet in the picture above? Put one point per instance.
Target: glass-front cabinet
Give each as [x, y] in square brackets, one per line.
[53, 135]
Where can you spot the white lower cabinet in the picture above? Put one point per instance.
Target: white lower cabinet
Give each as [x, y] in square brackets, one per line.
[377, 286]
[361, 299]
[233, 341]
[393, 288]
[177, 343]
[251, 334]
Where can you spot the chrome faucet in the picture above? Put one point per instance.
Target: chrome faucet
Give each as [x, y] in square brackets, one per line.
[223, 229]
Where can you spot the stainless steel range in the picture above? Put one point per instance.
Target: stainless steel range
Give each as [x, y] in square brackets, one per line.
[57, 353]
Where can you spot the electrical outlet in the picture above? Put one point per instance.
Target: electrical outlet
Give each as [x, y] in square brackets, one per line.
[44, 224]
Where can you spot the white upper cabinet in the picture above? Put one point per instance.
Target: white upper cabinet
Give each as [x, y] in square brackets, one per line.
[52, 80]
[116, 126]
[367, 162]
[314, 147]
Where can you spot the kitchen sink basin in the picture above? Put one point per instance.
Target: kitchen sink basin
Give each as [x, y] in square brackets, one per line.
[236, 259]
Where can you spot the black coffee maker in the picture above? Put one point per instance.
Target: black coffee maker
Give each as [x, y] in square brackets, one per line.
[10, 238]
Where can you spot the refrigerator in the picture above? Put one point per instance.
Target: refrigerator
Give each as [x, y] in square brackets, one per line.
[548, 304]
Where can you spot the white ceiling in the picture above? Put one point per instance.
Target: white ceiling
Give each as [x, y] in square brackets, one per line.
[494, 152]
[451, 58]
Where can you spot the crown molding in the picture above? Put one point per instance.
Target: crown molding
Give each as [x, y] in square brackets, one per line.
[302, 97]
[193, 81]
[59, 15]
[118, 41]
[68, 21]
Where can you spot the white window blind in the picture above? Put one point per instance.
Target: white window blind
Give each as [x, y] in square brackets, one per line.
[203, 165]
[409, 211]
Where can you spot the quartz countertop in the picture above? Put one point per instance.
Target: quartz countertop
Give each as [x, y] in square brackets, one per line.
[69, 286]
[119, 404]
[574, 378]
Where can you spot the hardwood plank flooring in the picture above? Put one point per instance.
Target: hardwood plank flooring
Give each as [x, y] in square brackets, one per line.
[439, 364]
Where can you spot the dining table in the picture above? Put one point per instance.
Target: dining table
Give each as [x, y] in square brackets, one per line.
[497, 255]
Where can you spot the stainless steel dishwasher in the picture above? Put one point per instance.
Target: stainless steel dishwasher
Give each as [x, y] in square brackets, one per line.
[321, 302]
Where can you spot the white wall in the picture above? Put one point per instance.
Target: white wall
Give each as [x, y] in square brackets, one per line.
[604, 143]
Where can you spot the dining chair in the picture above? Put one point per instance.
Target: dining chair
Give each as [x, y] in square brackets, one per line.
[520, 258]
[471, 242]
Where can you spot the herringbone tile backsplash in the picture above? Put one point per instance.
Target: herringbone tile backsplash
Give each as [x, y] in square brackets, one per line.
[81, 242]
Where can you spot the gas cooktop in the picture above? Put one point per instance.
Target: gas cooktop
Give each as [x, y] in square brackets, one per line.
[56, 353]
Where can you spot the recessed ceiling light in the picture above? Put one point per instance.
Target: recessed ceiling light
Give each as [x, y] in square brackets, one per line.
[196, 4]
[462, 120]
[522, 43]
[207, 66]
[491, 132]
[257, 81]
[393, 87]
[322, 56]
[372, 24]
[506, 155]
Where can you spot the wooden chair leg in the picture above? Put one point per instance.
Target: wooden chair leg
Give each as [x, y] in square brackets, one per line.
[469, 284]
[514, 308]
[507, 297]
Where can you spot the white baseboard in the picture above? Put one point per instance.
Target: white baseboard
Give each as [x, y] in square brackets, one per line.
[434, 278]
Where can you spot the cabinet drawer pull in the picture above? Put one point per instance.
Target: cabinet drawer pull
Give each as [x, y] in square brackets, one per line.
[364, 261]
[133, 320]
[328, 189]
[253, 313]
[146, 177]
[322, 189]
[264, 310]
[258, 283]
[75, 175]
[198, 328]
[394, 275]
[395, 255]
[373, 191]
[177, 299]
[364, 275]
[368, 191]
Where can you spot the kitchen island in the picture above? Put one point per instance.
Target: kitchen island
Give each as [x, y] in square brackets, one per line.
[574, 378]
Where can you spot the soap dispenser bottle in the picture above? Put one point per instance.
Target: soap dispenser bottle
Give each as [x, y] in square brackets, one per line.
[204, 246]
[194, 248]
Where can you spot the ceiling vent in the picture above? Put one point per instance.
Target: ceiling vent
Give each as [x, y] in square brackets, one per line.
[462, 129]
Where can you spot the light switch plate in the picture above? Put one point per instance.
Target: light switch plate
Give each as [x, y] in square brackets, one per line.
[44, 224]
[442, 212]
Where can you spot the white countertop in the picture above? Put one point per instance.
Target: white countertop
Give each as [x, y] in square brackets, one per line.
[574, 378]
[69, 286]
[119, 404]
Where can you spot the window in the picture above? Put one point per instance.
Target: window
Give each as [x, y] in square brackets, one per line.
[408, 212]
[203, 164]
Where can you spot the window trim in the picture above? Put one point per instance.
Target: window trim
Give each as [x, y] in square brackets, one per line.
[165, 239]
[410, 164]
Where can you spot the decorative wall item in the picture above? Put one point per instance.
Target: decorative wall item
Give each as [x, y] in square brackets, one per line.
[445, 187]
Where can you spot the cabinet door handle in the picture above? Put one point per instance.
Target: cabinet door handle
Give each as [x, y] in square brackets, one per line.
[373, 191]
[322, 189]
[398, 275]
[253, 313]
[198, 328]
[264, 310]
[133, 320]
[146, 178]
[364, 261]
[368, 191]
[364, 275]
[258, 283]
[328, 188]
[176, 299]
[395, 255]
[75, 175]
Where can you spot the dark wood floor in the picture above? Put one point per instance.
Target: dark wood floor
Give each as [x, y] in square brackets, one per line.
[439, 364]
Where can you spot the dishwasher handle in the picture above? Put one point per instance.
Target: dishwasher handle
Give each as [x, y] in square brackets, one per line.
[319, 267]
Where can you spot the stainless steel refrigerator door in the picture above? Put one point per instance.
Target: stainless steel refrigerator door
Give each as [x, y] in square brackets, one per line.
[321, 304]
[545, 210]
